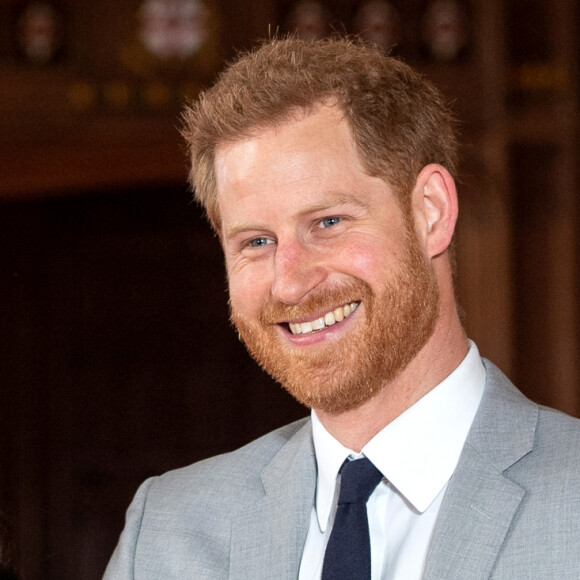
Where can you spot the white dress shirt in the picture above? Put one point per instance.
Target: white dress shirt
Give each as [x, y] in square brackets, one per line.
[417, 454]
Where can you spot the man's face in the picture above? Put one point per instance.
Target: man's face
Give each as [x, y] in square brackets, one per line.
[329, 286]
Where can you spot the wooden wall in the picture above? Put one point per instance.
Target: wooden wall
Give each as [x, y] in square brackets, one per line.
[118, 361]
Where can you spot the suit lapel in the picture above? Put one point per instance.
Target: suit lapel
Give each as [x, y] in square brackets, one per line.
[481, 501]
[268, 539]
[475, 516]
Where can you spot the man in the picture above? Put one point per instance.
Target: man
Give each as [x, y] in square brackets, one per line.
[327, 171]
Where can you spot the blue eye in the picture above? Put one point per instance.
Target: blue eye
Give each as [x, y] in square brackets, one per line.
[258, 242]
[329, 222]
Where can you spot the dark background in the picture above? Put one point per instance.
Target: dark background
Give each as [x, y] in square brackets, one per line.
[117, 358]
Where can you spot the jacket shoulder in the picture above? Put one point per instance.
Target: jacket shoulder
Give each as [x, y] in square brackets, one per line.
[179, 523]
[234, 472]
[529, 438]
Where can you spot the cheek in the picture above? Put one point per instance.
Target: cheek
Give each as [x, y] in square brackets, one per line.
[247, 291]
[370, 262]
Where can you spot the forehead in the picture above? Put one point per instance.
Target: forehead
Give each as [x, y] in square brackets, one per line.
[306, 141]
[287, 173]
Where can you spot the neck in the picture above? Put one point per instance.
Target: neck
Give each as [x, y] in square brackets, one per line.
[440, 356]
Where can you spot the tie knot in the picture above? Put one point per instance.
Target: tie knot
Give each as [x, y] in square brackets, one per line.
[358, 480]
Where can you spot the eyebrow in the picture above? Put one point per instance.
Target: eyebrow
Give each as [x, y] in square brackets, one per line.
[333, 201]
[338, 199]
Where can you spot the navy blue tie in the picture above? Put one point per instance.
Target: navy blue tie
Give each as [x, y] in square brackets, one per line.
[348, 552]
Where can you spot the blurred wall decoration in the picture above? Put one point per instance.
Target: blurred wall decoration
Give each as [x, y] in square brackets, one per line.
[117, 360]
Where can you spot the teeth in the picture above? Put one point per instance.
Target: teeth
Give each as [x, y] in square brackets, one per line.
[330, 318]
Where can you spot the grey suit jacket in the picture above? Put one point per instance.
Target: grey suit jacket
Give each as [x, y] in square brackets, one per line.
[511, 511]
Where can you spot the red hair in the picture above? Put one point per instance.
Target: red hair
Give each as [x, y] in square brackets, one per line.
[399, 120]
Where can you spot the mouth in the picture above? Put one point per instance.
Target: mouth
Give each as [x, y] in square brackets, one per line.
[329, 319]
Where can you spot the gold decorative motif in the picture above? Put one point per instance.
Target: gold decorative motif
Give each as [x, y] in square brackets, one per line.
[83, 96]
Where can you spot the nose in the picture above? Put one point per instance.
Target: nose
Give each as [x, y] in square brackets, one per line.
[298, 269]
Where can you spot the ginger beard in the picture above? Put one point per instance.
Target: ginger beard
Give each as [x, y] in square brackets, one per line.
[337, 376]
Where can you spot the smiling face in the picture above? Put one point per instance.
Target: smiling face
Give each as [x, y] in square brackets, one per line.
[329, 286]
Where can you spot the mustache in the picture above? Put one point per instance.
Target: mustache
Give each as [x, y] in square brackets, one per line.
[318, 301]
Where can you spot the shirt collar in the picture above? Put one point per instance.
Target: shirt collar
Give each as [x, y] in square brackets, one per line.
[418, 451]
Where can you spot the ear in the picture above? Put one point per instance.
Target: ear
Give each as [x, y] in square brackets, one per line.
[435, 208]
